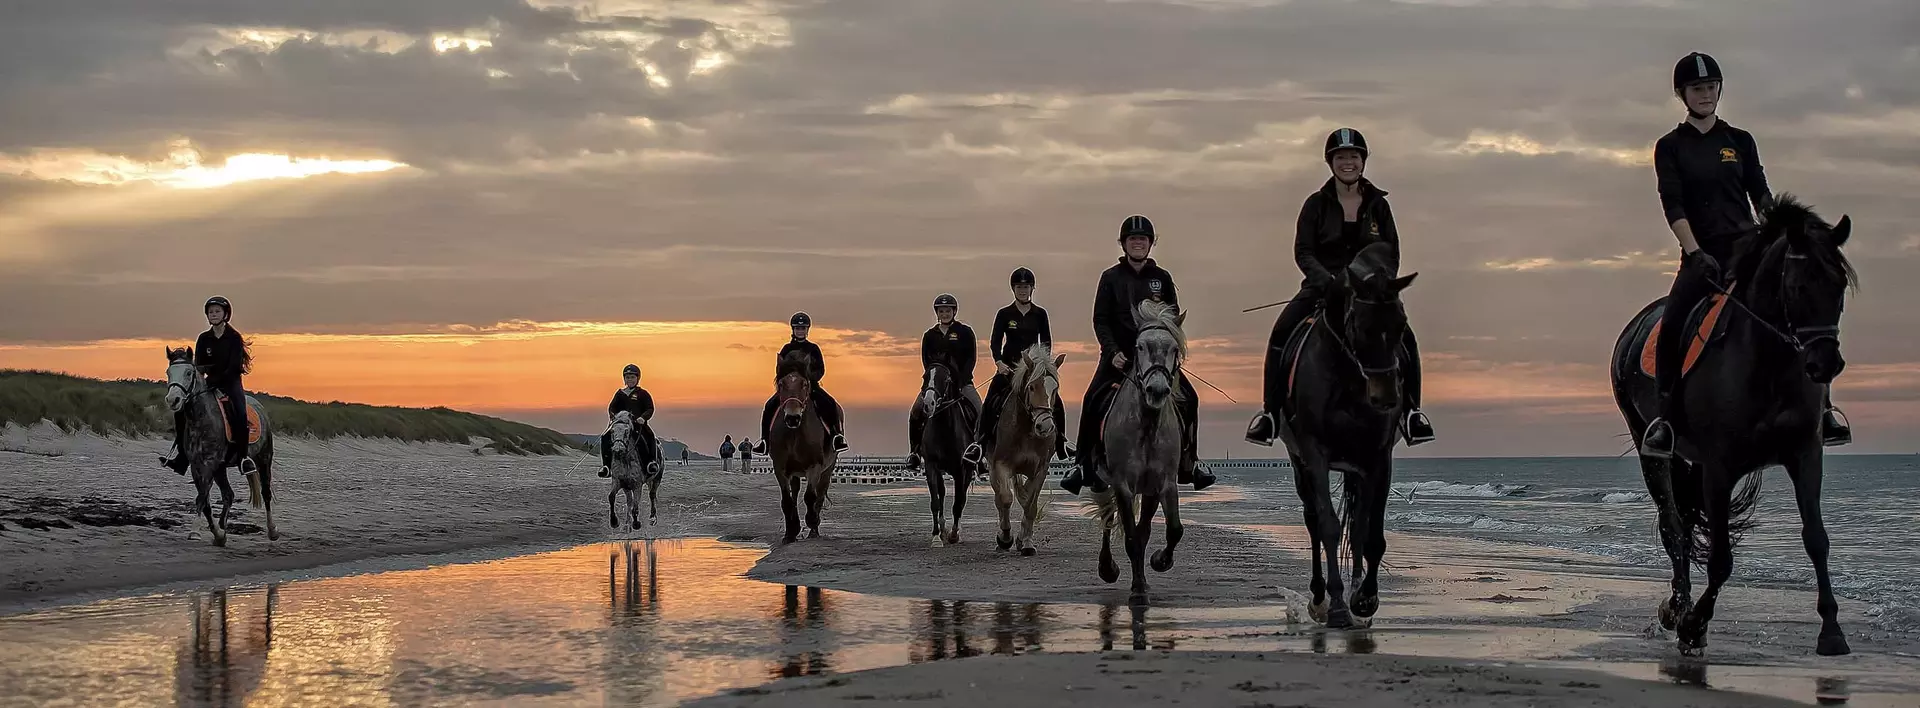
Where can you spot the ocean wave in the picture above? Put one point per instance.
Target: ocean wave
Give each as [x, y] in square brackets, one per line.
[1624, 497]
[1442, 488]
[1483, 522]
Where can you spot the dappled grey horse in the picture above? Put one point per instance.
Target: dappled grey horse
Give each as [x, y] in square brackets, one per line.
[1025, 443]
[1140, 448]
[635, 464]
[204, 442]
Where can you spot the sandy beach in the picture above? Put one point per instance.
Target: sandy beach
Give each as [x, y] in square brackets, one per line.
[83, 517]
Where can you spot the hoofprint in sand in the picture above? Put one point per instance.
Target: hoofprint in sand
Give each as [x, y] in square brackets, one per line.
[356, 500]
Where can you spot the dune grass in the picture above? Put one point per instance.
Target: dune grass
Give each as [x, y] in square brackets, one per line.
[134, 407]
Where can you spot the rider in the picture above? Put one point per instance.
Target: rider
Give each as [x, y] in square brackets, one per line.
[636, 402]
[951, 343]
[829, 408]
[221, 355]
[1015, 329]
[1135, 279]
[1711, 183]
[1345, 215]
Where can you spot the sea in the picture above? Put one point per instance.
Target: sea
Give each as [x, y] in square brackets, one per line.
[1600, 506]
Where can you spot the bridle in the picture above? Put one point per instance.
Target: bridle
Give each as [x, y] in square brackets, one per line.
[1346, 348]
[197, 389]
[926, 385]
[1792, 335]
[804, 401]
[1042, 411]
[1139, 376]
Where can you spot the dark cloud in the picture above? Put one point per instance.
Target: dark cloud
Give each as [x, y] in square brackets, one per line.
[739, 160]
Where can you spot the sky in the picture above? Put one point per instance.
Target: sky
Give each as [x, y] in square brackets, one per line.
[495, 205]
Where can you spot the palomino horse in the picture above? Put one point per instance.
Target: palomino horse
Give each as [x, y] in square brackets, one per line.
[1754, 398]
[797, 445]
[1140, 448]
[204, 441]
[1342, 406]
[1025, 442]
[942, 440]
[635, 464]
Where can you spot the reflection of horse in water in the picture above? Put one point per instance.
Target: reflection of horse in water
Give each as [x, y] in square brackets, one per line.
[223, 662]
[942, 626]
[1137, 616]
[1016, 627]
[801, 633]
[632, 661]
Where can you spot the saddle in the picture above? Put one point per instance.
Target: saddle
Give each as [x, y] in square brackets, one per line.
[1290, 353]
[1706, 324]
[253, 422]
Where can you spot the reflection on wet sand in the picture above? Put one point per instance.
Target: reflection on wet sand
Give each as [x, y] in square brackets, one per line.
[648, 623]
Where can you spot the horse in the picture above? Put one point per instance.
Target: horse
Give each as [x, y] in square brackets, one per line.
[1025, 442]
[1140, 448]
[635, 464]
[1756, 394]
[943, 438]
[797, 446]
[204, 441]
[1342, 406]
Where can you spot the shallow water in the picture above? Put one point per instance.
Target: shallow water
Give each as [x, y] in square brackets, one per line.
[649, 623]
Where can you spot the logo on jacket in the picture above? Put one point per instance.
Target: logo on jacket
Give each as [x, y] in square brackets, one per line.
[1013, 325]
[1154, 287]
[1728, 155]
[952, 336]
[1373, 229]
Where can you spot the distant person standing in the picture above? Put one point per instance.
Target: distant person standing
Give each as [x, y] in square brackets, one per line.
[726, 454]
[746, 455]
[683, 455]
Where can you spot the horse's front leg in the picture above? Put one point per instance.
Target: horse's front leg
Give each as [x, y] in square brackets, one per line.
[653, 498]
[1163, 560]
[203, 487]
[1327, 539]
[1718, 488]
[1676, 532]
[789, 499]
[1136, 532]
[1002, 482]
[226, 496]
[1109, 572]
[937, 496]
[816, 498]
[1030, 506]
[1303, 486]
[613, 516]
[1374, 502]
[633, 506]
[1806, 473]
[962, 479]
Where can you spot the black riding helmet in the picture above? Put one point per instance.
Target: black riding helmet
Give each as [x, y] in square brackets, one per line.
[1137, 225]
[1346, 139]
[222, 302]
[800, 319]
[1022, 276]
[631, 369]
[1695, 68]
[946, 300]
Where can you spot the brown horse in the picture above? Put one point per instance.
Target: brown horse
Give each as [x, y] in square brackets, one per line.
[797, 445]
[1017, 465]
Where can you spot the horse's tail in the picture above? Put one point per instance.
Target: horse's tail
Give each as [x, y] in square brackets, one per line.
[1693, 507]
[253, 490]
[1105, 509]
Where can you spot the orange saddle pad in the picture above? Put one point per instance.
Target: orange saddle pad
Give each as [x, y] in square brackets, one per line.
[1695, 345]
[253, 422]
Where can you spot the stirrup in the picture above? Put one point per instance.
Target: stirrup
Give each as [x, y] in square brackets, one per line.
[1837, 434]
[839, 442]
[1253, 430]
[1656, 451]
[1423, 437]
[973, 453]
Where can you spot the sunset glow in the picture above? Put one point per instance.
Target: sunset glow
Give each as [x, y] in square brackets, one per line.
[184, 168]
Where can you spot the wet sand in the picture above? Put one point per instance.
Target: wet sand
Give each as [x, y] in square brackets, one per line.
[367, 501]
[1227, 679]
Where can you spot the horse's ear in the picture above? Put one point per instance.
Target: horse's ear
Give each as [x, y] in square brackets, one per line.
[1842, 230]
[1180, 320]
[1058, 360]
[1402, 282]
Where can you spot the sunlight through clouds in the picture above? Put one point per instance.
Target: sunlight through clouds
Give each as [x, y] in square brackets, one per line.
[184, 168]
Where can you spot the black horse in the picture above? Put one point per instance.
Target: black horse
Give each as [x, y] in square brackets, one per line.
[1754, 398]
[1342, 407]
[942, 442]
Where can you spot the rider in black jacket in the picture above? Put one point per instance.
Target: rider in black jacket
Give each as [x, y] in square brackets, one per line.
[1711, 183]
[951, 343]
[1324, 242]
[637, 403]
[1016, 328]
[829, 408]
[221, 356]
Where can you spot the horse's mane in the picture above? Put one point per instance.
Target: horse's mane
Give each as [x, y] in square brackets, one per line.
[1150, 312]
[1789, 216]
[1037, 360]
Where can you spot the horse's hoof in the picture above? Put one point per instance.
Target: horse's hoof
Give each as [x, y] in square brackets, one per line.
[1833, 645]
[1670, 615]
[220, 540]
[789, 538]
[1109, 572]
[1138, 597]
[636, 524]
[1027, 551]
[938, 541]
[814, 533]
[1318, 612]
[953, 538]
[273, 535]
[1364, 606]
[1162, 561]
[1692, 645]
[1005, 542]
[614, 523]
[1339, 619]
